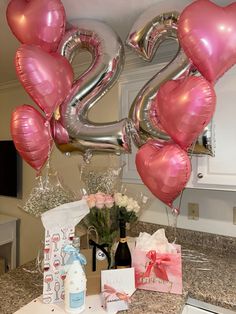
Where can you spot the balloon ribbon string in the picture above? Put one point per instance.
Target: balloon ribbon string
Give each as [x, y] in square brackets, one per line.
[181, 194]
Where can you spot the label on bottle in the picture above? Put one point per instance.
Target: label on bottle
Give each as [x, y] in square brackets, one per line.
[123, 240]
[76, 299]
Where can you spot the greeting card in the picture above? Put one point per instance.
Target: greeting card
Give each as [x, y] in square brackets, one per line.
[117, 286]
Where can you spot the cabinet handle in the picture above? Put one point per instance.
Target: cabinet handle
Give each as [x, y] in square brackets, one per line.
[200, 175]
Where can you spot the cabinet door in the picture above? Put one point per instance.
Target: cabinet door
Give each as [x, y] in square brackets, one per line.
[129, 86]
[219, 172]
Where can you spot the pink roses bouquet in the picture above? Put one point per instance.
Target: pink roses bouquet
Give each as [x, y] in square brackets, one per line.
[105, 212]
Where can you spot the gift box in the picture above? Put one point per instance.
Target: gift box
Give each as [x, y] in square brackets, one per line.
[118, 285]
[158, 271]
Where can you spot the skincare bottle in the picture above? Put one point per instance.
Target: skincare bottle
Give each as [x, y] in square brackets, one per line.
[75, 283]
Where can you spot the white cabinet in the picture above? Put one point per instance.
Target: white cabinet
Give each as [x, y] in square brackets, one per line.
[194, 306]
[8, 248]
[129, 85]
[219, 172]
[188, 309]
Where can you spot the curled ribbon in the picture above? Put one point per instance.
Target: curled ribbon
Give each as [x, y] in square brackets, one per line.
[158, 263]
[110, 292]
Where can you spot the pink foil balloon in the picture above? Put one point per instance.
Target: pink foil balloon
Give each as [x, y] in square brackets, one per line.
[31, 135]
[46, 77]
[164, 170]
[38, 22]
[206, 32]
[185, 107]
[59, 133]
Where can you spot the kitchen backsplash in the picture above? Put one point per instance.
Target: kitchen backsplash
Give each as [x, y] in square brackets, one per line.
[223, 244]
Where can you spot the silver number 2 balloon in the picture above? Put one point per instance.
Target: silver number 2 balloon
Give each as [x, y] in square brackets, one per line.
[85, 136]
[146, 35]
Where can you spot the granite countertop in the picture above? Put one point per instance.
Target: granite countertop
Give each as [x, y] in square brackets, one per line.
[209, 275]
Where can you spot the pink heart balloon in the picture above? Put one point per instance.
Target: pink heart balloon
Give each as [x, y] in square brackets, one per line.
[38, 22]
[165, 170]
[31, 135]
[46, 77]
[206, 32]
[185, 107]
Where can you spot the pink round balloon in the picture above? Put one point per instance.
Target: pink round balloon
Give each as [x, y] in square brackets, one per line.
[31, 135]
[185, 107]
[164, 170]
[46, 77]
[38, 22]
[206, 32]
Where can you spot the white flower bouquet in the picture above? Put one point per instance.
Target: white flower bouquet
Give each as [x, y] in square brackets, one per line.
[107, 209]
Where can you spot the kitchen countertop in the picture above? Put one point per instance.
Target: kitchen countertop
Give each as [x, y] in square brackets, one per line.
[209, 275]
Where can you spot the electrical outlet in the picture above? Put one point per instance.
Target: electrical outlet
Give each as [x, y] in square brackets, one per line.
[234, 215]
[193, 211]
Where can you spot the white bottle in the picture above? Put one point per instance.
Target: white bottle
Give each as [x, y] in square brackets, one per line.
[75, 288]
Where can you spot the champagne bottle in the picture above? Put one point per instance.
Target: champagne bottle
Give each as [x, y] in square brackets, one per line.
[122, 255]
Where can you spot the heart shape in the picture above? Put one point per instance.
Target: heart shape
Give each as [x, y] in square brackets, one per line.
[47, 77]
[31, 135]
[38, 22]
[206, 32]
[164, 168]
[185, 107]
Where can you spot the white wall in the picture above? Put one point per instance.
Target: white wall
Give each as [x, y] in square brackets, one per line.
[215, 212]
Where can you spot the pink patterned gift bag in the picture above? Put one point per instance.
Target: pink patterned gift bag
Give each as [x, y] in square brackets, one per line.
[158, 271]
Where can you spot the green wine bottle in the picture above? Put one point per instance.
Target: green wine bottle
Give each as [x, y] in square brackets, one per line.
[122, 255]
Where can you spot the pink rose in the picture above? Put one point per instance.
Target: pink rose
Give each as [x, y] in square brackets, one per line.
[90, 200]
[109, 201]
[100, 199]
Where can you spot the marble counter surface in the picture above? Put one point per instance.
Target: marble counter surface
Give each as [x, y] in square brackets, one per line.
[209, 275]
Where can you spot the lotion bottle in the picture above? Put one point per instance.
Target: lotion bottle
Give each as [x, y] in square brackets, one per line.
[75, 282]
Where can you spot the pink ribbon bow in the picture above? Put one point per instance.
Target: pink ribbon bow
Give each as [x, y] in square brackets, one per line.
[110, 292]
[158, 263]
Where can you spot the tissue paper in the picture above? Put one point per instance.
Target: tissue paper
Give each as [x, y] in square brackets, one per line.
[157, 241]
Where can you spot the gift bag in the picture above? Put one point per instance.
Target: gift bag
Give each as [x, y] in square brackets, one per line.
[93, 276]
[158, 271]
[97, 258]
[59, 224]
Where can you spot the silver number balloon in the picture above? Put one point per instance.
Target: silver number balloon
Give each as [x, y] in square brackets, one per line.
[107, 53]
[146, 35]
[148, 39]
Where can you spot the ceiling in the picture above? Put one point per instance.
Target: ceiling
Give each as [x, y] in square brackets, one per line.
[120, 14]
